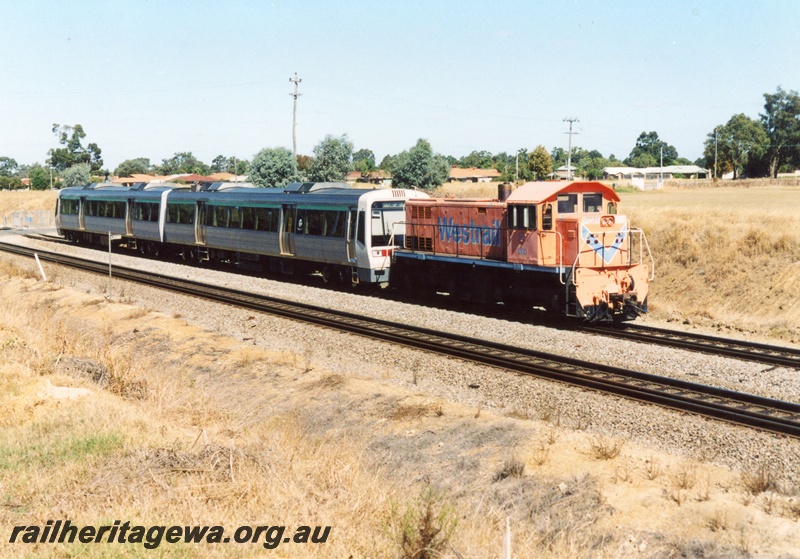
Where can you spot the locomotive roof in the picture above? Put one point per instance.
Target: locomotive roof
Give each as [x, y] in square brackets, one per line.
[536, 192]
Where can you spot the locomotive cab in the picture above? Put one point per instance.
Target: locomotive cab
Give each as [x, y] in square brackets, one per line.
[574, 229]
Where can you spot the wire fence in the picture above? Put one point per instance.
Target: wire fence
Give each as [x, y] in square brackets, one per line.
[29, 219]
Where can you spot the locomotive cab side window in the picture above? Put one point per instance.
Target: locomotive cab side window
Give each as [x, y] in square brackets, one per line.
[547, 217]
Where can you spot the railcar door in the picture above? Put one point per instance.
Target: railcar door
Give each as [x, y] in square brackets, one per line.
[288, 217]
[81, 214]
[351, 235]
[200, 222]
[129, 217]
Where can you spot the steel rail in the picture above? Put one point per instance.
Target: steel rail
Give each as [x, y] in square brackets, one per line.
[745, 409]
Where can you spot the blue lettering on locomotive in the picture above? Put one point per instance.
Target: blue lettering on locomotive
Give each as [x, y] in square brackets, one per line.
[469, 234]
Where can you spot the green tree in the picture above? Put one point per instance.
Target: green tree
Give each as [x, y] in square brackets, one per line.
[73, 151]
[540, 163]
[10, 183]
[333, 159]
[129, 167]
[40, 179]
[420, 167]
[273, 168]
[364, 161]
[480, 159]
[77, 175]
[180, 163]
[781, 121]
[648, 143]
[738, 143]
[8, 167]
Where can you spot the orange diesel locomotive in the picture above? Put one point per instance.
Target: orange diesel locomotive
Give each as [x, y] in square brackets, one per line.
[555, 245]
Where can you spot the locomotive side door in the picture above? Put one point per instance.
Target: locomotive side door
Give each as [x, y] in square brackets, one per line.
[288, 217]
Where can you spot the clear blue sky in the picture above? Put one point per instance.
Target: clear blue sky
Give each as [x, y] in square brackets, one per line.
[151, 78]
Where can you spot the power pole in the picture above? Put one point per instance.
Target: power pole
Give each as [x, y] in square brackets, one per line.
[569, 150]
[296, 82]
[715, 153]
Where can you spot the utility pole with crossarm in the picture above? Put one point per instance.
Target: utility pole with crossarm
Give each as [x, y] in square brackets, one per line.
[296, 82]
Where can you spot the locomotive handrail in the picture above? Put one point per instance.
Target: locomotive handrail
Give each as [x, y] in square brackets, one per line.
[642, 245]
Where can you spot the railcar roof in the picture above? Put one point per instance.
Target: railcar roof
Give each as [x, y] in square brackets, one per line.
[536, 192]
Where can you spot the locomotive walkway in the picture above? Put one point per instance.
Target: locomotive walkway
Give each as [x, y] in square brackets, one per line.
[735, 407]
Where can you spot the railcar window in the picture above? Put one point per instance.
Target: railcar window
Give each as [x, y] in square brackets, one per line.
[612, 208]
[334, 224]
[567, 203]
[235, 218]
[145, 211]
[248, 218]
[218, 216]
[315, 222]
[547, 217]
[592, 202]
[69, 207]
[180, 213]
[266, 219]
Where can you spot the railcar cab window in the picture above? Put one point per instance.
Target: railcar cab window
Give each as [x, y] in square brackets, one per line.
[592, 202]
[384, 217]
[567, 203]
[521, 216]
[612, 208]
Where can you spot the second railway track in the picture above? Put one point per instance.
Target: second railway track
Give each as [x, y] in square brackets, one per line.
[736, 407]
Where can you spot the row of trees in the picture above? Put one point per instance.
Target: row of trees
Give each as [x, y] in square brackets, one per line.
[758, 147]
[743, 146]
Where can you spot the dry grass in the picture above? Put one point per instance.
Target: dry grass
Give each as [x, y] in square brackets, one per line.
[727, 258]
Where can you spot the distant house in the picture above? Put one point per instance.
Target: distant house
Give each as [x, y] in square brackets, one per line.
[564, 172]
[647, 173]
[473, 174]
[378, 177]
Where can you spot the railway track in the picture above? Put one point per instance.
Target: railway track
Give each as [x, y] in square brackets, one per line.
[737, 349]
[744, 409]
[775, 356]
